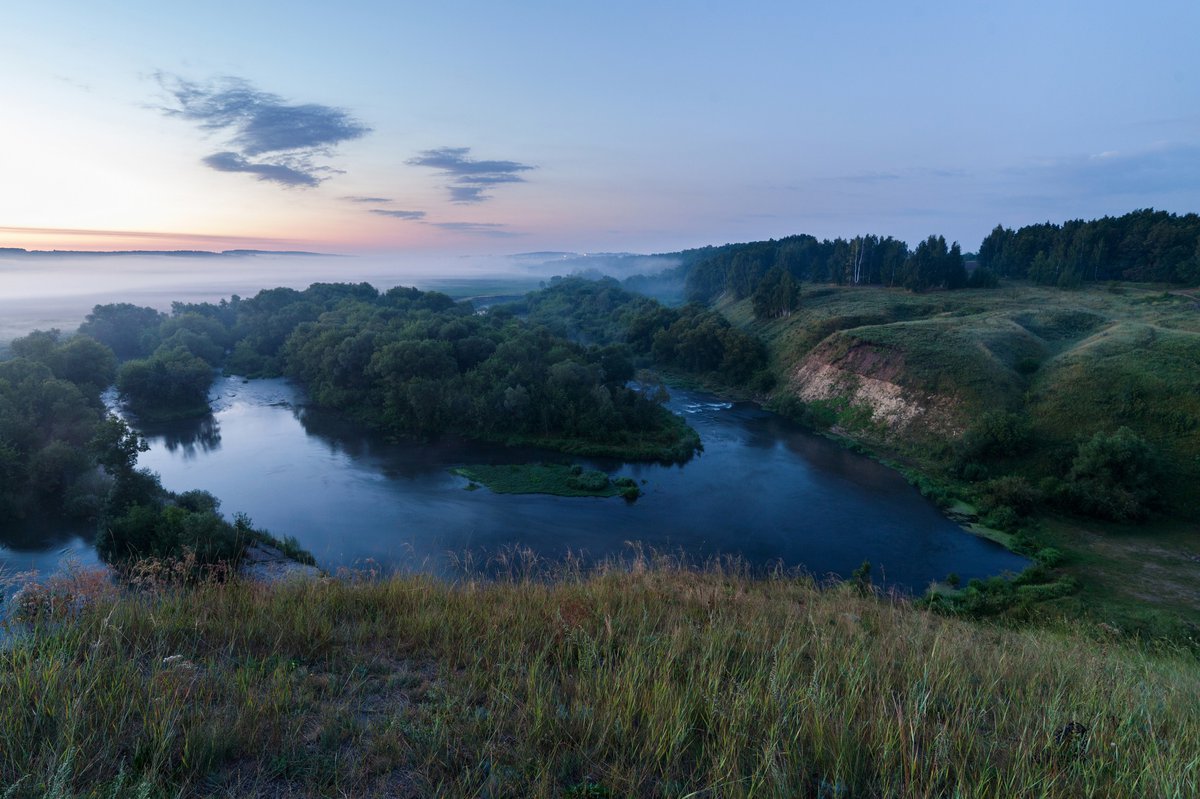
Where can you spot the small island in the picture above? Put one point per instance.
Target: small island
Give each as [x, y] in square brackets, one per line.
[549, 478]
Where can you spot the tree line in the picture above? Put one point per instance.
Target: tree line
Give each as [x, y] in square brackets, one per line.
[1145, 246]
[407, 362]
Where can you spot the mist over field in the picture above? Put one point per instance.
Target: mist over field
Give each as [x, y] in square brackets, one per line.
[44, 290]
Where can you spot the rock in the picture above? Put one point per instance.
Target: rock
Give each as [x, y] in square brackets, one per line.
[263, 563]
[178, 662]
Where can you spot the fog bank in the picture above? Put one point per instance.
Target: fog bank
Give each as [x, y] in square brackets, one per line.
[40, 291]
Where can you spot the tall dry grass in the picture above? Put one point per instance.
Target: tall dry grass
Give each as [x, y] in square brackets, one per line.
[651, 680]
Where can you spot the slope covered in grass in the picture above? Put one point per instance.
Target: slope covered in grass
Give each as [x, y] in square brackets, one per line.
[654, 682]
[912, 372]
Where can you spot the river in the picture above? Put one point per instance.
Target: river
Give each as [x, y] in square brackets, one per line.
[763, 489]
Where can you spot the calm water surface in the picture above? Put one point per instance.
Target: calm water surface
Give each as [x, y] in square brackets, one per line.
[762, 489]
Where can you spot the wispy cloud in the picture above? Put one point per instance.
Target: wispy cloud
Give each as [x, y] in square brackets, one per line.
[469, 178]
[355, 198]
[267, 137]
[136, 234]
[411, 215]
[482, 228]
[1165, 167]
[890, 175]
[304, 175]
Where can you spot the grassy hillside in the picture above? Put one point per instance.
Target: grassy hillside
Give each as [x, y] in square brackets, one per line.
[1072, 362]
[937, 381]
[654, 682]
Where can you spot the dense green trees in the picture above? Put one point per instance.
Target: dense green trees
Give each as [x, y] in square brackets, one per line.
[691, 339]
[1144, 245]
[49, 408]
[128, 330]
[933, 265]
[778, 294]
[171, 383]
[767, 270]
[411, 363]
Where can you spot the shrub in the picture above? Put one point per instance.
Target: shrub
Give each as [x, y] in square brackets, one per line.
[983, 278]
[996, 435]
[973, 472]
[1009, 491]
[1003, 518]
[588, 481]
[1115, 476]
[1049, 556]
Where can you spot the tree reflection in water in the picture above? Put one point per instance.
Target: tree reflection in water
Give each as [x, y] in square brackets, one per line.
[189, 436]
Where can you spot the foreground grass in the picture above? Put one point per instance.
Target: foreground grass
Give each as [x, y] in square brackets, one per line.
[654, 682]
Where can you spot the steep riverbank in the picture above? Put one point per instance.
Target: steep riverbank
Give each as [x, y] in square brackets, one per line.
[990, 396]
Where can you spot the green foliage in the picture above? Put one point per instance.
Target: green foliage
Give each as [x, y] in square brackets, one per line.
[1011, 491]
[996, 435]
[861, 578]
[169, 530]
[777, 294]
[115, 446]
[1115, 476]
[692, 340]
[739, 269]
[128, 330]
[983, 278]
[933, 265]
[1004, 518]
[549, 478]
[1049, 557]
[1144, 245]
[589, 481]
[171, 383]
[49, 408]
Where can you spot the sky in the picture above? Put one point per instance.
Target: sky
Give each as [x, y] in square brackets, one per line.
[484, 127]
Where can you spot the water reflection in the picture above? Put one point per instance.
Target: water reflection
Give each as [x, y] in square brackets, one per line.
[43, 543]
[187, 437]
[762, 489]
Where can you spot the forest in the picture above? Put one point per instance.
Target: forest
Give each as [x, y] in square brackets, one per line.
[1142, 246]
[1146, 246]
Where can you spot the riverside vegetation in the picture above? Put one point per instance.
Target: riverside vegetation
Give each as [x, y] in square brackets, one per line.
[549, 478]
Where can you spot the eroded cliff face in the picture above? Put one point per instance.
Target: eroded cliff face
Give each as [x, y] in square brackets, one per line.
[873, 377]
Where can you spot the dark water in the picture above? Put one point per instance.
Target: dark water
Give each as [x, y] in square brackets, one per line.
[762, 489]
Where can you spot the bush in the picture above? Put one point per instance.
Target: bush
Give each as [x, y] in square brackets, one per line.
[1003, 518]
[1049, 556]
[973, 472]
[1009, 491]
[169, 531]
[588, 481]
[996, 435]
[1115, 476]
[983, 278]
